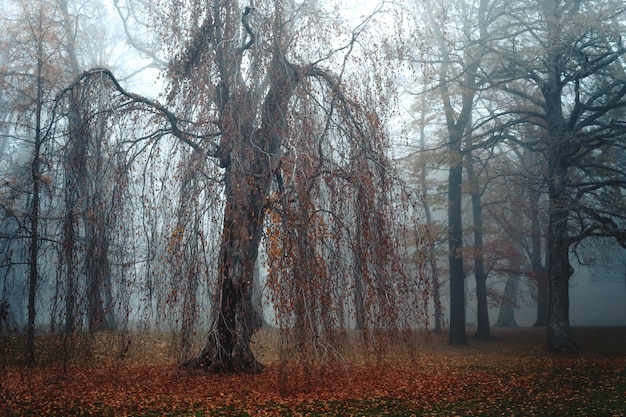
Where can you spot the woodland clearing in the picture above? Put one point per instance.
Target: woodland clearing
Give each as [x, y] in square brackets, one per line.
[509, 375]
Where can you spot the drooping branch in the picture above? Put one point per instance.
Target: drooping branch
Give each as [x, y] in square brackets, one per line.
[171, 118]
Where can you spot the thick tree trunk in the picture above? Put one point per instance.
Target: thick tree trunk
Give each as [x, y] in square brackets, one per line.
[558, 315]
[234, 318]
[560, 140]
[559, 266]
[250, 157]
[96, 268]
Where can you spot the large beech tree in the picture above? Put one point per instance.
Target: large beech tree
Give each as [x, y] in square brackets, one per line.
[262, 91]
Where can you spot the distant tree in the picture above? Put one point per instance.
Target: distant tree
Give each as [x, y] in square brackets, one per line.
[459, 52]
[423, 186]
[508, 304]
[43, 55]
[516, 207]
[86, 212]
[29, 80]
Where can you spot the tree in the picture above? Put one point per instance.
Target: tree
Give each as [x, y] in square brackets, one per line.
[506, 314]
[30, 80]
[516, 207]
[458, 84]
[423, 187]
[70, 232]
[577, 81]
[286, 126]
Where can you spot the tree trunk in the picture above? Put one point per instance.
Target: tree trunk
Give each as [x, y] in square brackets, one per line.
[560, 142]
[539, 273]
[432, 255]
[541, 277]
[257, 295]
[458, 124]
[506, 315]
[559, 266]
[250, 158]
[483, 330]
[33, 279]
[360, 264]
[248, 178]
[96, 267]
[455, 238]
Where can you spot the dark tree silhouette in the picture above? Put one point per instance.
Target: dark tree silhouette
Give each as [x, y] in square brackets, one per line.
[577, 84]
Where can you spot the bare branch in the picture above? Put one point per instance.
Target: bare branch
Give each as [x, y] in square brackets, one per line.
[173, 121]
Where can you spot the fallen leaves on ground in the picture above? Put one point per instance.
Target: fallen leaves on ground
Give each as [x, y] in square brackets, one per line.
[442, 386]
[490, 379]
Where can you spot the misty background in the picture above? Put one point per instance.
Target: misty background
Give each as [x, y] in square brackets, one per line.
[158, 210]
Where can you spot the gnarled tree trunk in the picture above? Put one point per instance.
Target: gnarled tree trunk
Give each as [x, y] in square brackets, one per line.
[250, 158]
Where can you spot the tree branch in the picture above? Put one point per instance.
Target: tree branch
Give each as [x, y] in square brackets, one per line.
[171, 118]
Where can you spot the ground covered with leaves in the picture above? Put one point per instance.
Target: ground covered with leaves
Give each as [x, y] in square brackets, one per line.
[510, 375]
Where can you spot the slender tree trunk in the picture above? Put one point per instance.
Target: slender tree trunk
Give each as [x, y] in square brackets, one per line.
[506, 315]
[541, 276]
[359, 302]
[257, 294]
[97, 267]
[539, 273]
[458, 124]
[483, 330]
[432, 257]
[436, 295]
[75, 176]
[33, 280]
[95, 219]
[456, 127]
[360, 260]
[457, 334]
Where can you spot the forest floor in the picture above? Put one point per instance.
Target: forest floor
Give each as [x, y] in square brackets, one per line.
[511, 375]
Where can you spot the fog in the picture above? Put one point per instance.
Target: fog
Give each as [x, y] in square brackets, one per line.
[148, 200]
